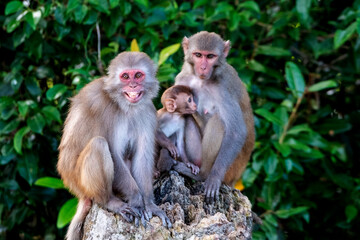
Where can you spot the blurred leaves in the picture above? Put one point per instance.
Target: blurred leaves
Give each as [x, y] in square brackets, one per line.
[299, 60]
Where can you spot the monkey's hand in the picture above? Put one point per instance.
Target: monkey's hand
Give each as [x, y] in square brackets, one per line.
[174, 152]
[152, 209]
[194, 169]
[212, 186]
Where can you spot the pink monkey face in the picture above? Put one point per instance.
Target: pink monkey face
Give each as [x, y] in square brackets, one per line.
[133, 80]
[204, 62]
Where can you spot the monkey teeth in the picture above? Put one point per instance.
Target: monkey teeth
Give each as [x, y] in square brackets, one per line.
[133, 96]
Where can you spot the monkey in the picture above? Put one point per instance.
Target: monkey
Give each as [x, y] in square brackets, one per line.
[177, 101]
[106, 153]
[224, 114]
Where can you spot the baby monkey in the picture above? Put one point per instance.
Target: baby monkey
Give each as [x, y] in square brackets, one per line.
[177, 101]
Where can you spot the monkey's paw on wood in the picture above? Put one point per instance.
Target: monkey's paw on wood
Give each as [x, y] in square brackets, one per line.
[183, 201]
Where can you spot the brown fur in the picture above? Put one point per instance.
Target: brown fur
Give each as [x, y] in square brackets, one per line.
[224, 113]
[107, 147]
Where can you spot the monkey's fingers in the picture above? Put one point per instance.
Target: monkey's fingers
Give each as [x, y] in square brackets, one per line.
[129, 218]
[166, 222]
[212, 189]
[134, 211]
[143, 222]
[148, 215]
[137, 222]
[194, 169]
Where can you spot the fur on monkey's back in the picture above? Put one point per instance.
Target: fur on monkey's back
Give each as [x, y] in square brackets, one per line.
[92, 114]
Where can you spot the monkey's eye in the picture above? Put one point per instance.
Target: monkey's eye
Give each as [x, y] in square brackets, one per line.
[125, 76]
[189, 100]
[197, 54]
[138, 75]
[210, 56]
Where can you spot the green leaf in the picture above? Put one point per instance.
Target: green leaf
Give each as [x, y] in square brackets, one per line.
[50, 182]
[294, 79]
[288, 165]
[167, 52]
[51, 113]
[13, 7]
[36, 123]
[66, 213]
[30, 20]
[28, 167]
[302, 7]
[80, 13]
[72, 4]
[295, 130]
[10, 184]
[341, 36]
[7, 108]
[114, 3]
[286, 213]
[56, 91]
[271, 162]
[157, 17]
[258, 67]
[250, 5]
[284, 149]
[272, 51]
[269, 116]
[32, 86]
[142, 3]
[322, 85]
[199, 3]
[19, 137]
[100, 5]
[351, 212]
[296, 167]
[10, 126]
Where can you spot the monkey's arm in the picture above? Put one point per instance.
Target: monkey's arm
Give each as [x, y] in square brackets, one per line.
[142, 170]
[163, 141]
[181, 144]
[233, 140]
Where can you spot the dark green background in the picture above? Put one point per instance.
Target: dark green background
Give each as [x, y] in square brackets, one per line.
[303, 179]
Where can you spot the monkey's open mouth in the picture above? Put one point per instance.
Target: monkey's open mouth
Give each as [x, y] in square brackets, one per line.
[133, 97]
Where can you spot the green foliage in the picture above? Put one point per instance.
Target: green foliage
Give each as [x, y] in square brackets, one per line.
[300, 61]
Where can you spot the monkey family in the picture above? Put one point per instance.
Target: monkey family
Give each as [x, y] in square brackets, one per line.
[106, 154]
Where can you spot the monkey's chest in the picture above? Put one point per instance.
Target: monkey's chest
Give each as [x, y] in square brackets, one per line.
[170, 128]
[207, 106]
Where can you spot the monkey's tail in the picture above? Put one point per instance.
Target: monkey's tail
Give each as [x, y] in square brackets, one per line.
[76, 226]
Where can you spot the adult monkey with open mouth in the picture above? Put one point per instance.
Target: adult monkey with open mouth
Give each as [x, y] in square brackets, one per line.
[107, 147]
[224, 115]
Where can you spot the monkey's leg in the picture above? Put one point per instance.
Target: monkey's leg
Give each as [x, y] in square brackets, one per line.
[165, 161]
[211, 142]
[243, 158]
[193, 141]
[97, 176]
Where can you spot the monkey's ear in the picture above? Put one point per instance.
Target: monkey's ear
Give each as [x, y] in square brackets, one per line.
[170, 105]
[185, 44]
[226, 48]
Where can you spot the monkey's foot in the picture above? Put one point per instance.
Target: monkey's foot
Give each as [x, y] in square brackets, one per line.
[194, 169]
[125, 210]
[152, 209]
[212, 186]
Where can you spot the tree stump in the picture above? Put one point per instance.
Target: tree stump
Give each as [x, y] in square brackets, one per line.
[230, 217]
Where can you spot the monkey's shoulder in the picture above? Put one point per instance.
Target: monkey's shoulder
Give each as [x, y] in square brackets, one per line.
[93, 98]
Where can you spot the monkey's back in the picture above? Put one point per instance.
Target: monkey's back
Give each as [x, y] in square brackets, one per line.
[239, 165]
[87, 118]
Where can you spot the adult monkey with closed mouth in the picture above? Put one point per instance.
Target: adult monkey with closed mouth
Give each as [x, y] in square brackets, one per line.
[106, 154]
[224, 115]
